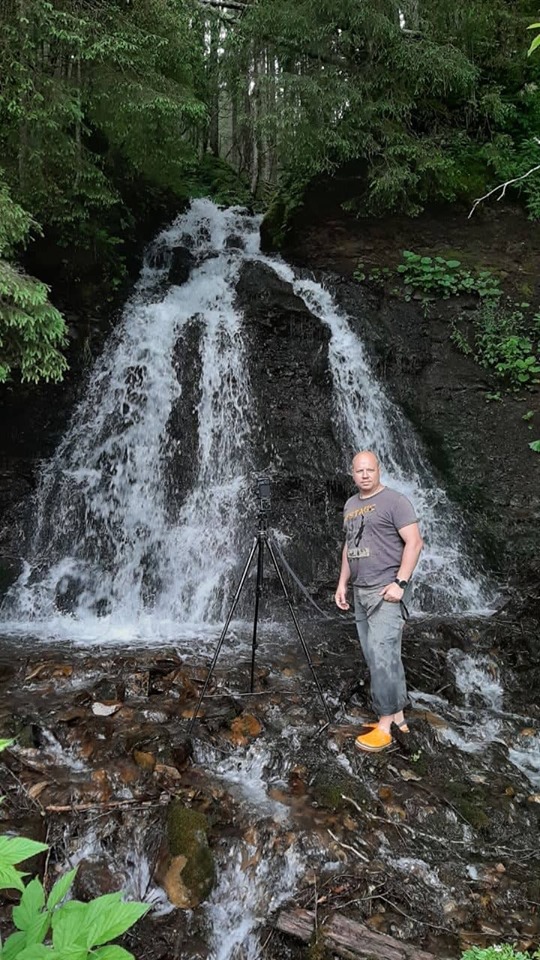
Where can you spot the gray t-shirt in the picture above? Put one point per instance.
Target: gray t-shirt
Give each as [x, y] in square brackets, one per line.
[374, 546]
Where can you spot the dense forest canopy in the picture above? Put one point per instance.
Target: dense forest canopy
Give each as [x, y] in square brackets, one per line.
[106, 103]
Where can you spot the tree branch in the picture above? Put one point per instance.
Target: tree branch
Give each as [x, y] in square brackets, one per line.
[502, 186]
[224, 3]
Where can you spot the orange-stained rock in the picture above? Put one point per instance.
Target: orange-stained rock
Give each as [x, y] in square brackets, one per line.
[175, 887]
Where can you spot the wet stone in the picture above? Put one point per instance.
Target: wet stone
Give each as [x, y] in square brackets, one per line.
[187, 871]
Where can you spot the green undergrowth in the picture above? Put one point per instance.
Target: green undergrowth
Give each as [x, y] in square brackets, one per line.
[53, 927]
[501, 951]
[504, 338]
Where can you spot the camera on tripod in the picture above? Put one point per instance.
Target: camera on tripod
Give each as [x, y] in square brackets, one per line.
[264, 490]
[262, 541]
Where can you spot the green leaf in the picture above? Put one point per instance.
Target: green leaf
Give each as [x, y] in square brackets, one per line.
[112, 952]
[533, 26]
[70, 925]
[5, 743]
[13, 945]
[534, 45]
[109, 917]
[535, 445]
[11, 878]
[16, 849]
[60, 889]
[32, 903]
[36, 951]
[453, 264]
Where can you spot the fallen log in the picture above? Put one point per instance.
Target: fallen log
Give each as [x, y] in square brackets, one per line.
[347, 938]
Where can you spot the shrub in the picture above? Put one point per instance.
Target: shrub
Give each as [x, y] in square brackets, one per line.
[78, 931]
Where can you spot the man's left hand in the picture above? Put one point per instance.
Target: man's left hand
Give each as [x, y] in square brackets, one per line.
[392, 593]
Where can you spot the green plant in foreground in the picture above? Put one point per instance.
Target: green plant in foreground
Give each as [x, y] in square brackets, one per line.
[501, 951]
[535, 445]
[78, 931]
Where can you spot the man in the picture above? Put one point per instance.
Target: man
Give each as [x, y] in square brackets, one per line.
[380, 553]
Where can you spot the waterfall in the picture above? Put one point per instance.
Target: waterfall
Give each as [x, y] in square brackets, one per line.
[112, 553]
[366, 419]
[138, 524]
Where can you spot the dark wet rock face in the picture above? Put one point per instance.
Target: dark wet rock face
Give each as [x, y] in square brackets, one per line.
[479, 448]
[182, 262]
[288, 351]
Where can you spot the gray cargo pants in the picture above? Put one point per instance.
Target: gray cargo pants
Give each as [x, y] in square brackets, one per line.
[380, 626]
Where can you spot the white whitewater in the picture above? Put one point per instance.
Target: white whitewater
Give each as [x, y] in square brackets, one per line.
[110, 556]
[124, 547]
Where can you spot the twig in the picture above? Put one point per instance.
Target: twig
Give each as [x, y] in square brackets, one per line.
[267, 941]
[347, 846]
[435, 926]
[100, 805]
[502, 186]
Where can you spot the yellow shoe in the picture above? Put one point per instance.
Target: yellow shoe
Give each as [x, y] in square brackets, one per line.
[374, 741]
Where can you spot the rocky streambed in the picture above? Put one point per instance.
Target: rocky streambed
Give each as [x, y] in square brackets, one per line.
[265, 833]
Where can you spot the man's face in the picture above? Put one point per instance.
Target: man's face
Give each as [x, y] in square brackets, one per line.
[366, 473]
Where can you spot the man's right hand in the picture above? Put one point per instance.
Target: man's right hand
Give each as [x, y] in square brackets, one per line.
[341, 598]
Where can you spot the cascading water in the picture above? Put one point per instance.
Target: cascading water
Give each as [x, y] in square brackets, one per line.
[131, 537]
[107, 545]
[366, 419]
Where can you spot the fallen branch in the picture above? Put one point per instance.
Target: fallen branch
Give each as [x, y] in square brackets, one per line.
[347, 938]
[100, 805]
[503, 186]
[347, 846]
[225, 4]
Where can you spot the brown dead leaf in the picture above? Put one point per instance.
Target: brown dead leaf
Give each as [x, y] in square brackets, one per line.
[164, 770]
[144, 760]
[409, 775]
[48, 669]
[37, 789]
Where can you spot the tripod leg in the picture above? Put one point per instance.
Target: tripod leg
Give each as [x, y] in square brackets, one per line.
[224, 632]
[258, 594]
[299, 632]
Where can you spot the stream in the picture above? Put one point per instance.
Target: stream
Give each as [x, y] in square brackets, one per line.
[135, 539]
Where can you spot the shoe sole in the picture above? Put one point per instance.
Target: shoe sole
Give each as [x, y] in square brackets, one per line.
[366, 749]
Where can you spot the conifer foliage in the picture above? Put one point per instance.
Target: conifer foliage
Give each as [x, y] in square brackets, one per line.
[94, 93]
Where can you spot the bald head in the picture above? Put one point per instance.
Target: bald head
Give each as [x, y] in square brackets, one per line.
[366, 473]
[368, 455]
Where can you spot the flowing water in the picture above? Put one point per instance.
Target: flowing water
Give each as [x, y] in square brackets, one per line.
[136, 531]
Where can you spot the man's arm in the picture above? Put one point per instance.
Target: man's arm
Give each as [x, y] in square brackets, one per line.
[412, 549]
[344, 577]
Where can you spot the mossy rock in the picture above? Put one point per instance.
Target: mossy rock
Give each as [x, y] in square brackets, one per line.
[470, 803]
[190, 854]
[329, 788]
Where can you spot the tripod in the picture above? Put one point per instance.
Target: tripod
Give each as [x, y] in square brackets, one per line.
[260, 541]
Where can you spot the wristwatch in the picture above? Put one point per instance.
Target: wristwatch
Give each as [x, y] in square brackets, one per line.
[401, 583]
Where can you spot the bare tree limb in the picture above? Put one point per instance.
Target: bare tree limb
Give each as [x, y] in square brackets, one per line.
[233, 5]
[502, 186]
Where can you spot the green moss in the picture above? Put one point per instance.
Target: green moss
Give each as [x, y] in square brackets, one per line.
[470, 803]
[329, 788]
[473, 813]
[187, 836]
[316, 949]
